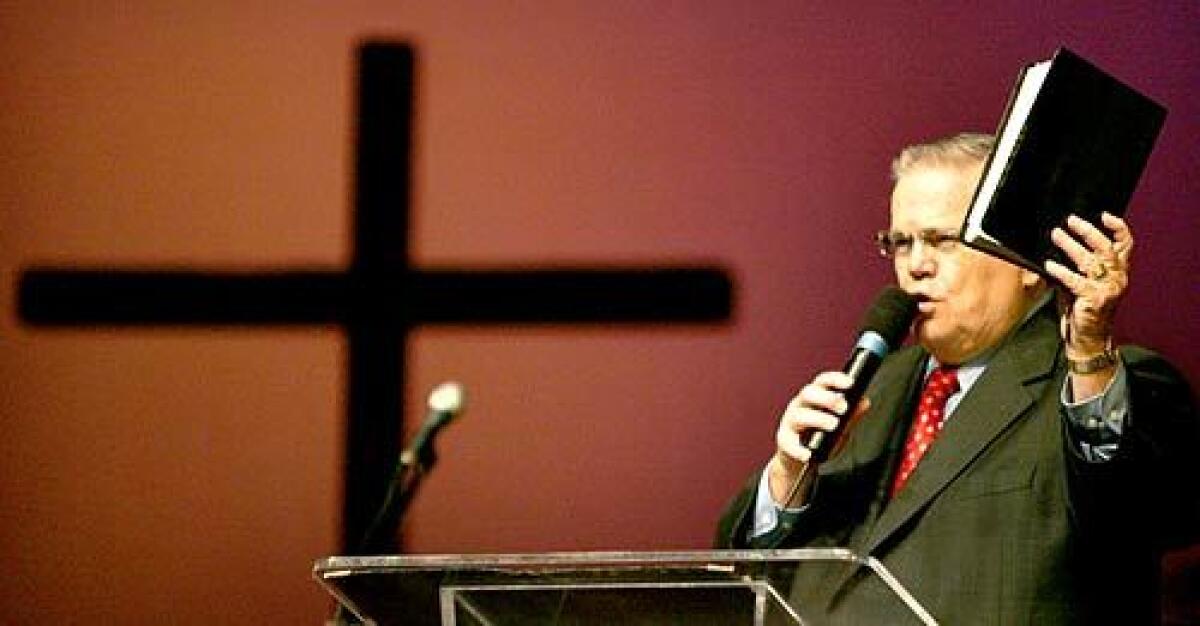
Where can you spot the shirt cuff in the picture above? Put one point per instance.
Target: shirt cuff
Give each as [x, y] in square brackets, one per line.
[767, 513]
[1096, 424]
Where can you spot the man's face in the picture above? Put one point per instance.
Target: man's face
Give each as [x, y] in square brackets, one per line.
[968, 300]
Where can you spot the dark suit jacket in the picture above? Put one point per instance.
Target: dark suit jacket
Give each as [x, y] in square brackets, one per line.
[1002, 522]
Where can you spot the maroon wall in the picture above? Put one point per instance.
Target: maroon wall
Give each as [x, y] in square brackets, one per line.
[195, 472]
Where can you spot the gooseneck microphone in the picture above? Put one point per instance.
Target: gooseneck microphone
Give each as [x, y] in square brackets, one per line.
[884, 327]
[445, 403]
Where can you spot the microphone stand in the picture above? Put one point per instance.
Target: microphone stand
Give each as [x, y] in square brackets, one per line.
[380, 536]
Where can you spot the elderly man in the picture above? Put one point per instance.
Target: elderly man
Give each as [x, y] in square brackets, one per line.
[1011, 468]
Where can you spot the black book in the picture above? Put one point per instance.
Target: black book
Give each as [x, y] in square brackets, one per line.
[1073, 139]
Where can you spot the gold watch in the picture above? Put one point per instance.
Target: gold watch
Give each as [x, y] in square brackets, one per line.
[1098, 363]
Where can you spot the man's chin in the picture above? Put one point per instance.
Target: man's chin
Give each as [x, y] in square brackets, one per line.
[926, 333]
[921, 330]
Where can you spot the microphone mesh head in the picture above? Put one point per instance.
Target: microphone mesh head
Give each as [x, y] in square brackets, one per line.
[447, 397]
[890, 315]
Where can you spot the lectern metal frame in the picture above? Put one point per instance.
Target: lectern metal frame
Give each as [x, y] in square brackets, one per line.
[456, 583]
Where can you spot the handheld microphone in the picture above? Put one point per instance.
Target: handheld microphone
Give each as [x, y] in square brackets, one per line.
[445, 403]
[883, 329]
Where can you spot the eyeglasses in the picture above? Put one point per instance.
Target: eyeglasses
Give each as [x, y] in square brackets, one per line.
[894, 243]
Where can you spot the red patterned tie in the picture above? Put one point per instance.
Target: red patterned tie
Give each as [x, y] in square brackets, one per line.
[931, 410]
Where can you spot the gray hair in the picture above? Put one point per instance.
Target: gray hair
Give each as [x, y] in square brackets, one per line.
[955, 150]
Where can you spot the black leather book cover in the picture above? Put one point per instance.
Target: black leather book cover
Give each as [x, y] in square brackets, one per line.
[1081, 150]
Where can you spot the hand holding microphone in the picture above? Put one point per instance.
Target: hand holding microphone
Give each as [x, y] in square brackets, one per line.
[811, 427]
[820, 407]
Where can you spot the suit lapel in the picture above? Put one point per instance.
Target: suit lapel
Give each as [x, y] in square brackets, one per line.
[892, 391]
[985, 412]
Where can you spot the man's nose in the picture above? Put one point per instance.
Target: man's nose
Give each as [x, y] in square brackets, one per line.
[920, 261]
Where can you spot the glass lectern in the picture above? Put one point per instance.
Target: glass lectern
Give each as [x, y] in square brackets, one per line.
[728, 588]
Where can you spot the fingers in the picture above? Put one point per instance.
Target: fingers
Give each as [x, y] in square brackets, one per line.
[1097, 240]
[1098, 257]
[1074, 250]
[1095, 279]
[1122, 236]
[818, 406]
[825, 392]
[1073, 282]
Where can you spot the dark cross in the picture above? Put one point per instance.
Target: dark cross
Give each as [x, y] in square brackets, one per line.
[381, 297]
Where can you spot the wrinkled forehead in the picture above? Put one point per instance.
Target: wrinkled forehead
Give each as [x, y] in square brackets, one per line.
[935, 196]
